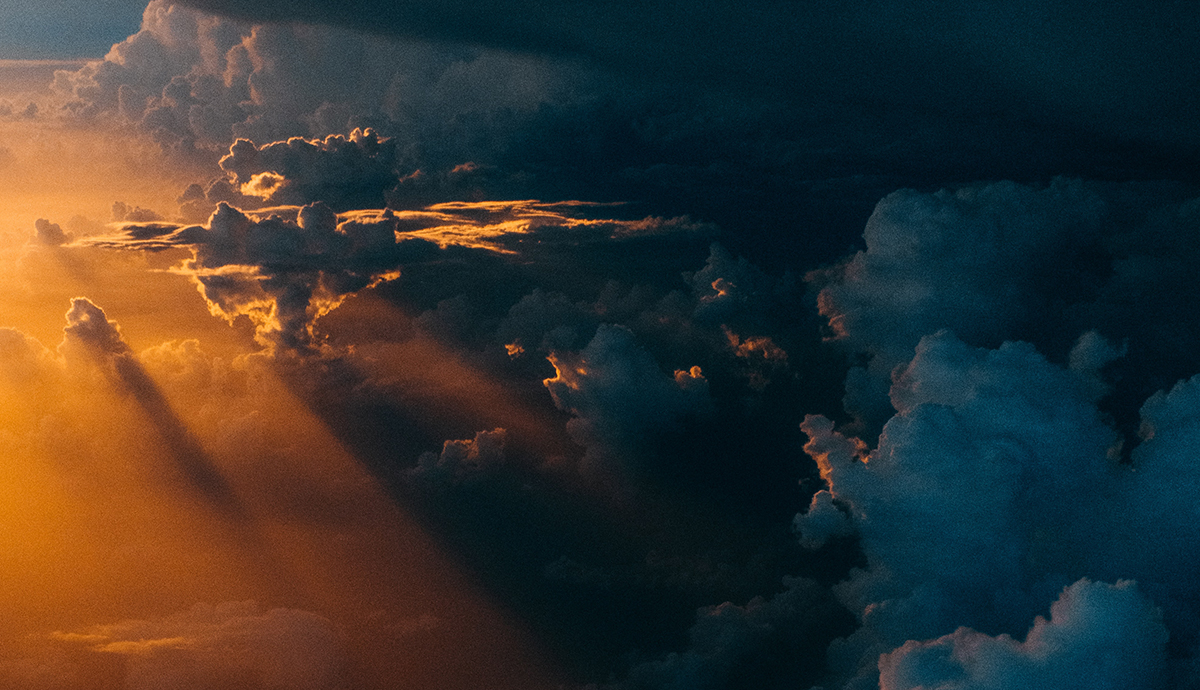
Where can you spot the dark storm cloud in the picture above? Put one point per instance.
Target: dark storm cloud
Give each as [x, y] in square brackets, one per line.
[1123, 69]
[780, 123]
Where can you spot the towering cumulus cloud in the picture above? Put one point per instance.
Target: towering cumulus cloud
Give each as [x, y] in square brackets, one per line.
[985, 262]
[1000, 479]
[193, 80]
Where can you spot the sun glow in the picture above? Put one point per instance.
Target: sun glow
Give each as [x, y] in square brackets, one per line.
[164, 495]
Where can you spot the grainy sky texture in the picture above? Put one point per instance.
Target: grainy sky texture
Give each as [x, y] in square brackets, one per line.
[602, 346]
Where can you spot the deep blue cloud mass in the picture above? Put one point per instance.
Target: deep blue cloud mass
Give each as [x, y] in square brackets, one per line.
[768, 345]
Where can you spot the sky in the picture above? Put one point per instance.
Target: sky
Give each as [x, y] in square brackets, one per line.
[599, 346]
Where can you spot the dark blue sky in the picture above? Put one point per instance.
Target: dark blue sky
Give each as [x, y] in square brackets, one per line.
[65, 28]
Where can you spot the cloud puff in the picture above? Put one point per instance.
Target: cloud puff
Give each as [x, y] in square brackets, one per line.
[731, 291]
[1004, 419]
[463, 460]
[1009, 262]
[620, 399]
[1098, 636]
[345, 172]
[233, 644]
[50, 233]
[87, 326]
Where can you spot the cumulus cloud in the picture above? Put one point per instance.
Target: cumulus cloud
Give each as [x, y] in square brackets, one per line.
[620, 398]
[994, 483]
[88, 327]
[195, 80]
[1098, 636]
[980, 261]
[728, 287]
[282, 274]
[345, 172]
[50, 233]
[463, 460]
[1005, 261]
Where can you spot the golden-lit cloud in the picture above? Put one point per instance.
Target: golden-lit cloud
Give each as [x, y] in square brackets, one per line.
[286, 267]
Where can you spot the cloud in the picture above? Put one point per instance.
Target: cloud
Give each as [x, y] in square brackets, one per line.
[345, 172]
[230, 644]
[194, 80]
[50, 233]
[1005, 261]
[993, 483]
[22, 359]
[981, 261]
[99, 339]
[1098, 636]
[620, 399]
[284, 267]
[87, 326]
[376, 207]
[766, 643]
[463, 460]
[955, 57]
[124, 213]
[731, 291]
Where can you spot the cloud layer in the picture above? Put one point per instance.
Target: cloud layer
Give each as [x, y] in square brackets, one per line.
[579, 307]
